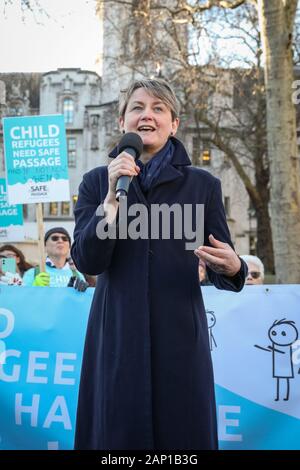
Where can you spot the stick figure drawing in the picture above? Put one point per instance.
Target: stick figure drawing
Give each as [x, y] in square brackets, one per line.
[211, 321]
[283, 333]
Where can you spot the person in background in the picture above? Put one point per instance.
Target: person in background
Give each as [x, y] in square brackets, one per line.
[10, 251]
[256, 271]
[58, 271]
[91, 280]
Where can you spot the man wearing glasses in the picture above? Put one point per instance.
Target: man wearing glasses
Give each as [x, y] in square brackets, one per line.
[256, 271]
[58, 271]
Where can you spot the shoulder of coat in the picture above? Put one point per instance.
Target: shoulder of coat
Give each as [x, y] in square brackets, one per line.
[96, 173]
[96, 178]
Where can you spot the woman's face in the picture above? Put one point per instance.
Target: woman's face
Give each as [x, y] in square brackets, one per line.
[57, 245]
[149, 117]
[254, 275]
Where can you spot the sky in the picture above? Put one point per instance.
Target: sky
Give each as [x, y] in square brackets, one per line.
[69, 37]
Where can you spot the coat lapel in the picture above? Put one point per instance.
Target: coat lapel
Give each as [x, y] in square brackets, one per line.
[139, 192]
[172, 171]
[169, 173]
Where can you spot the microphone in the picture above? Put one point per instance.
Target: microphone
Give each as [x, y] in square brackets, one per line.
[132, 144]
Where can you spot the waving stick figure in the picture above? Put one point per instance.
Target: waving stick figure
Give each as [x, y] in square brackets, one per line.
[283, 333]
[211, 321]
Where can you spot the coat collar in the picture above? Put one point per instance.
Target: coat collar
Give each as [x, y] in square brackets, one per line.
[180, 157]
[170, 173]
[172, 170]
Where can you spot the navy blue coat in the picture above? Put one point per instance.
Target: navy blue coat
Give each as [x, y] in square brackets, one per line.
[147, 379]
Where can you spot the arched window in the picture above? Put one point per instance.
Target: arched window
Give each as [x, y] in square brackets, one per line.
[68, 110]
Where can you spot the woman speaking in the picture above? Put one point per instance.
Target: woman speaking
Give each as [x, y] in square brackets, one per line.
[147, 379]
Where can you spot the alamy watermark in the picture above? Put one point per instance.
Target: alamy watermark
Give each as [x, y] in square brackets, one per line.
[176, 221]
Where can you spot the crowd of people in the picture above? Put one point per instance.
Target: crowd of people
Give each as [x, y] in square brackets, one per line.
[60, 270]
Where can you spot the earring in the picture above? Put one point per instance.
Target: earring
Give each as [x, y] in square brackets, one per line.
[123, 131]
[171, 135]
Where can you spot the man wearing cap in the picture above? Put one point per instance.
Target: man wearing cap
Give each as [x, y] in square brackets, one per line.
[58, 271]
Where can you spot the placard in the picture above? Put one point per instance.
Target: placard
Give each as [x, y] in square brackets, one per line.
[36, 160]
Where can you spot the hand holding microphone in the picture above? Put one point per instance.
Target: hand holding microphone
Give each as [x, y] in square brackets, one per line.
[123, 167]
[131, 144]
[121, 171]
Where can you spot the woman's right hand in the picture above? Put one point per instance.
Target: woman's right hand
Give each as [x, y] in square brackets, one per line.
[123, 164]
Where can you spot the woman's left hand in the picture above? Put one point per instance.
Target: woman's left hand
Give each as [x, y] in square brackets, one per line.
[219, 257]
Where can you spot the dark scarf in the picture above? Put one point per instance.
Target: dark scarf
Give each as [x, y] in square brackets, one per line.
[150, 172]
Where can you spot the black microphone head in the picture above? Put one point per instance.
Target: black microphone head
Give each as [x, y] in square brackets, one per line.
[131, 140]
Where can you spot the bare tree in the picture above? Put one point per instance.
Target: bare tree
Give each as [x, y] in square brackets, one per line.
[277, 19]
[35, 7]
[277, 22]
[238, 127]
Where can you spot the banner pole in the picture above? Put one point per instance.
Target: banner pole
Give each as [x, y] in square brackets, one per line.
[41, 232]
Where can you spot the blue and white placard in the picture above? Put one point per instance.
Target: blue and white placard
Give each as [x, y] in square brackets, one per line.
[36, 159]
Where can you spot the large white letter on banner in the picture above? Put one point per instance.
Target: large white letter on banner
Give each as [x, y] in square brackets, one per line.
[33, 366]
[10, 322]
[64, 417]
[61, 367]
[224, 422]
[15, 376]
[32, 409]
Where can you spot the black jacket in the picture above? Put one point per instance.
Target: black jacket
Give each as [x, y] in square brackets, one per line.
[147, 379]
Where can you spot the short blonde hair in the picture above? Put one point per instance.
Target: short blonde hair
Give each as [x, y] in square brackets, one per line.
[155, 87]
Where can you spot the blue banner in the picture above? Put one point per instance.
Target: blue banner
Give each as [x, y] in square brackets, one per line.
[256, 356]
[254, 344]
[42, 336]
